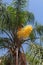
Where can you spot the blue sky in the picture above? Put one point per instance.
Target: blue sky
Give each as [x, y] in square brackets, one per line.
[35, 6]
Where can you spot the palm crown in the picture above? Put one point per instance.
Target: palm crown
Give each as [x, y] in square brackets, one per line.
[12, 22]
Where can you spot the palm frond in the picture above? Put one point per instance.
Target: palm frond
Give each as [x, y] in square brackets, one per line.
[39, 29]
[4, 42]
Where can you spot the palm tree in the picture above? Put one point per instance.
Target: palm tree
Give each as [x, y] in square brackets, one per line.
[12, 21]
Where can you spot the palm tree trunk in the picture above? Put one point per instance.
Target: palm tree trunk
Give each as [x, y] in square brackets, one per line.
[17, 56]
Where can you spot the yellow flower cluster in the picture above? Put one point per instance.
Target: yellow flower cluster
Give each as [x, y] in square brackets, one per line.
[24, 32]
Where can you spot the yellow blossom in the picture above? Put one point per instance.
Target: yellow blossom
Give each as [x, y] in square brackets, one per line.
[24, 32]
